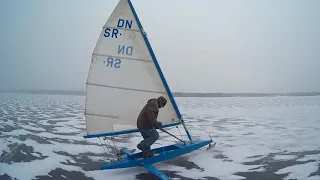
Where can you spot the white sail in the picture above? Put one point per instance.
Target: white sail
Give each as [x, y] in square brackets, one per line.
[122, 77]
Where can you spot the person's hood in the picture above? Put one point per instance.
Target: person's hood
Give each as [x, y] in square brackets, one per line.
[152, 100]
[162, 101]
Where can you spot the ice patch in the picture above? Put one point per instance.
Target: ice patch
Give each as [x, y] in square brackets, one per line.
[9, 122]
[18, 132]
[66, 137]
[35, 154]
[300, 171]
[94, 158]
[115, 174]
[260, 169]
[310, 157]
[45, 123]
[28, 171]
[47, 149]
[284, 157]
[72, 161]
[65, 129]
[4, 111]
[215, 167]
[28, 127]
[3, 146]
[23, 152]
[45, 116]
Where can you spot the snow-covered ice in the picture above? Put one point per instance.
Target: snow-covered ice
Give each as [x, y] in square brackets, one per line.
[267, 137]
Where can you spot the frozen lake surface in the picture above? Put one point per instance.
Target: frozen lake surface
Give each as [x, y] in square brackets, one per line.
[257, 138]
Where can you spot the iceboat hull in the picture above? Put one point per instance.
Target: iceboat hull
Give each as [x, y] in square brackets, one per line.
[161, 154]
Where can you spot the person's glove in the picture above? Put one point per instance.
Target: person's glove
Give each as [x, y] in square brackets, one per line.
[158, 125]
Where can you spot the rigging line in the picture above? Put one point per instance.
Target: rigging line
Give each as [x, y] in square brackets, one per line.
[180, 133]
[103, 147]
[111, 159]
[112, 155]
[104, 140]
[115, 145]
[110, 152]
[173, 134]
[104, 144]
[116, 155]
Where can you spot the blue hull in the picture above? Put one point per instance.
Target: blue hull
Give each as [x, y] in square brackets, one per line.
[163, 153]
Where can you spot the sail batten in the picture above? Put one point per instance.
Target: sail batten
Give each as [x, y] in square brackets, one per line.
[101, 115]
[123, 88]
[124, 74]
[126, 58]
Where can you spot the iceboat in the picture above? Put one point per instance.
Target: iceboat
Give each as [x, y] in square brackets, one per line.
[123, 75]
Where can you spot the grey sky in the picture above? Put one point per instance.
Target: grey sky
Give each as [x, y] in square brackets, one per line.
[202, 46]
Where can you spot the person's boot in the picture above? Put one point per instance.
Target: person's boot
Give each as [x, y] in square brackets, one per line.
[145, 151]
[147, 154]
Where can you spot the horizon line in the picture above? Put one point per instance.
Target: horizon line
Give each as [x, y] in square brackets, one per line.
[173, 92]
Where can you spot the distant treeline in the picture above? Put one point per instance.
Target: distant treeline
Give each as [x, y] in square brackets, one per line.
[49, 92]
[176, 94]
[181, 94]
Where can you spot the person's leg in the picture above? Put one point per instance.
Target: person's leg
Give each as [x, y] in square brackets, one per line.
[141, 145]
[149, 138]
[152, 136]
[143, 133]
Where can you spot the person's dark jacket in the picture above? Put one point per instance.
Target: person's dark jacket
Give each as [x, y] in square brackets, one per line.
[147, 118]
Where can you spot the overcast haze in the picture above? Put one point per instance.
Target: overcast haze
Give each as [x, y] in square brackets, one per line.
[202, 46]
